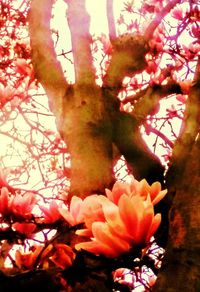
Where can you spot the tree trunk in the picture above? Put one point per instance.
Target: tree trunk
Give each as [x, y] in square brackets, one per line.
[182, 259]
[86, 130]
[181, 267]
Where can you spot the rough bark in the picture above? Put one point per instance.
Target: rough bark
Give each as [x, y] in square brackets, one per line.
[86, 131]
[183, 180]
[46, 66]
[181, 267]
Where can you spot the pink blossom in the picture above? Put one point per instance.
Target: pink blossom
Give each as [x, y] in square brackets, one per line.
[177, 13]
[141, 188]
[186, 86]
[22, 205]
[182, 98]
[74, 215]
[24, 228]
[195, 31]
[23, 67]
[51, 214]
[63, 256]
[130, 223]
[4, 202]
[26, 260]
[6, 94]
[107, 47]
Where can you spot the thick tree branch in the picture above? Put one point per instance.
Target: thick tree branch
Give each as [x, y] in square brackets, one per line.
[183, 183]
[167, 89]
[127, 59]
[158, 18]
[189, 132]
[130, 143]
[111, 20]
[79, 25]
[148, 99]
[182, 253]
[47, 68]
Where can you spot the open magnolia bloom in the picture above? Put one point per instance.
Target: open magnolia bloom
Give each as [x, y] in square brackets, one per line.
[73, 215]
[141, 188]
[19, 206]
[116, 228]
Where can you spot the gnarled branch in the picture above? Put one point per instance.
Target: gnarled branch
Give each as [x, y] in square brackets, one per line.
[47, 68]
[158, 18]
[79, 22]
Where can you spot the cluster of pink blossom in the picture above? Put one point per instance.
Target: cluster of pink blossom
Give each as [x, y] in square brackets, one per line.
[122, 219]
[113, 224]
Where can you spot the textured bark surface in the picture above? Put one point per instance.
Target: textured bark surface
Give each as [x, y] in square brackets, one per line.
[183, 180]
[181, 267]
[86, 130]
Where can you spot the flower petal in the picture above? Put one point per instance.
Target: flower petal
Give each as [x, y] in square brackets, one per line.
[102, 234]
[67, 216]
[75, 209]
[131, 210]
[159, 197]
[96, 248]
[154, 226]
[116, 225]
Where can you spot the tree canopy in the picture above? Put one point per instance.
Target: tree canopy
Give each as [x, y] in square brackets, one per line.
[99, 181]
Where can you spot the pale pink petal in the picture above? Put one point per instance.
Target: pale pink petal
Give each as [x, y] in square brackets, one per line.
[159, 197]
[133, 186]
[75, 206]
[131, 210]
[116, 225]
[92, 209]
[96, 248]
[155, 189]
[4, 201]
[102, 234]
[109, 195]
[67, 216]
[84, 232]
[119, 189]
[144, 226]
[143, 188]
[154, 226]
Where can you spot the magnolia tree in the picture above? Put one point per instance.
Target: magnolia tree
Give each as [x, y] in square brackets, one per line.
[100, 144]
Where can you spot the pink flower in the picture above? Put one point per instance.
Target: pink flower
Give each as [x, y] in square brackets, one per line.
[26, 260]
[6, 94]
[4, 202]
[93, 209]
[24, 228]
[177, 13]
[23, 67]
[182, 98]
[186, 86]
[119, 189]
[138, 216]
[130, 223]
[74, 215]
[22, 205]
[107, 47]
[63, 256]
[51, 214]
[155, 192]
[141, 188]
